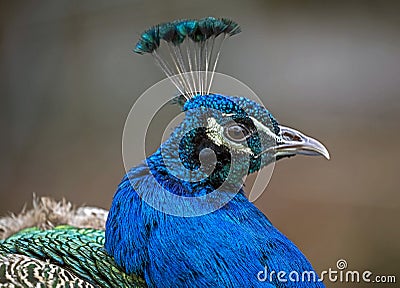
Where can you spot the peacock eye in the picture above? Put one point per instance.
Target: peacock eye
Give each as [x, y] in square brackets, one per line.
[236, 132]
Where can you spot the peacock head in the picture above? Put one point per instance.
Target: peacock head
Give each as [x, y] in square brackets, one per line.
[222, 138]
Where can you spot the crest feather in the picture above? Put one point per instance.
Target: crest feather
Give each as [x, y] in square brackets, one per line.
[192, 51]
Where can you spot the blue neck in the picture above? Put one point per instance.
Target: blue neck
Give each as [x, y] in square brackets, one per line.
[225, 248]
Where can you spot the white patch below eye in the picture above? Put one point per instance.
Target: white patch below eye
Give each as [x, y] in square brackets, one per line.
[215, 131]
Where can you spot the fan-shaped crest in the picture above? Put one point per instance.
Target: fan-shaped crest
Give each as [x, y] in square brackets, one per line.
[192, 51]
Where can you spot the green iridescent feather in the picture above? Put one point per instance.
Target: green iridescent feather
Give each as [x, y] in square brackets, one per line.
[175, 32]
[79, 249]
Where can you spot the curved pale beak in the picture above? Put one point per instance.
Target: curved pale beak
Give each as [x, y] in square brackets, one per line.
[292, 142]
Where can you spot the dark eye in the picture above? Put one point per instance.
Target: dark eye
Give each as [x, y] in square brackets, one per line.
[236, 132]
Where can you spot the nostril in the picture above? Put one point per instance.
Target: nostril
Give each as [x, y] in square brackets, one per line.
[291, 137]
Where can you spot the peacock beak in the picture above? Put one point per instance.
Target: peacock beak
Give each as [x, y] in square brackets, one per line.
[291, 142]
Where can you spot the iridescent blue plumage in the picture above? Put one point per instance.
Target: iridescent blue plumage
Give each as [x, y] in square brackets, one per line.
[229, 246]
[225, 248]
[181, 218]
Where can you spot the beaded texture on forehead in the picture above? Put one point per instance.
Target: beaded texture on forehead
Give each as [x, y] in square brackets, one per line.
[239, 106]
[192, 49]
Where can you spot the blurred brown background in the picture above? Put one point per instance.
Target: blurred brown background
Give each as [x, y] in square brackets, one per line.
[68, 79]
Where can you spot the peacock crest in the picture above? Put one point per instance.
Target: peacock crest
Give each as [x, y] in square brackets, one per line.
[189, 49]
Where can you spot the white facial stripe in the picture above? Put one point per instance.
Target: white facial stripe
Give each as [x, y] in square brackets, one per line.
[257, 123]
[263, 128]
[228, 114]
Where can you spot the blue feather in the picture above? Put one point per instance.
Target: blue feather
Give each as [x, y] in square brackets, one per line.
[226, 248]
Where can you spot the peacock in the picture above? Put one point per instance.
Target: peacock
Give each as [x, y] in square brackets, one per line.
[181, 218]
